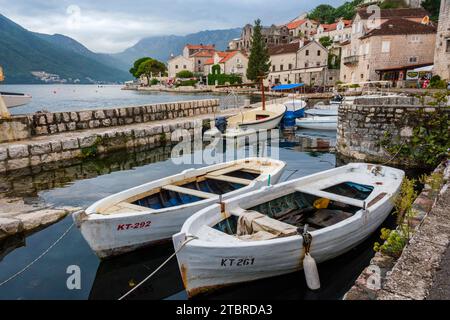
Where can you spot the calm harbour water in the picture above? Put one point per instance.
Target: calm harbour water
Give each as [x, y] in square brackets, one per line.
[82, 183]
[55, 98]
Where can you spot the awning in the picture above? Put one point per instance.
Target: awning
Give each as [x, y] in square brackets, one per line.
[288, 86]
[409, 67]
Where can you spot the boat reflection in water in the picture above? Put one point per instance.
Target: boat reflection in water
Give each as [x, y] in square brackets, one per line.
[117, 276]
[309, 140]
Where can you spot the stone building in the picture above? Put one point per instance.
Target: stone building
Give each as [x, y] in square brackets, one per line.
[387, 47]
[340, 31]
[301, 61]
[442, 55]
[273, 36]
[302, 28]
[231, 62]
[193, 59]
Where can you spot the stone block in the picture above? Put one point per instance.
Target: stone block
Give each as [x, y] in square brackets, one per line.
[74, 116]
[70, 144]
[41, 148]
[3, 154]
[85, 115]
[18, 151]
[16, 164]
[99, 114]
[9, 227]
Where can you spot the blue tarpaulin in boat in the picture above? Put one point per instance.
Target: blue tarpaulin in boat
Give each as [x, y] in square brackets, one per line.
[288, 86]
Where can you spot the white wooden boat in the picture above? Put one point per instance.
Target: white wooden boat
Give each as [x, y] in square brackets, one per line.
[321, 112]
[295, 105]
[318, 123]
[255, 235]
[155, 211]
[252, 120]
[12, 100]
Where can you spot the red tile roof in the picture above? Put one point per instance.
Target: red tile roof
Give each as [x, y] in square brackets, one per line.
[204, 54]
[200, 46]
[284, 48]
[399, 26]
[390, 13]
[333, 26]
[209, 61]
[228, 56]
[295, 24]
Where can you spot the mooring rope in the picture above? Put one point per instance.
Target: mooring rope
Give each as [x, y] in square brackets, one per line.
[289, 176]
[38, 258]
[189, 239]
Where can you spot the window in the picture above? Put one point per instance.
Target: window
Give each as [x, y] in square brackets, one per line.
[330, 78]
[318, 53]
[448, 46]
[281, 67]
[412, 59]
[318, 64]
[307, 52]
[184, 67]
[306, 64]
[362, 76]
[415, 38]
[199, 61]
[385, 46]
[274, 68]
[176, 66]
[290, 66]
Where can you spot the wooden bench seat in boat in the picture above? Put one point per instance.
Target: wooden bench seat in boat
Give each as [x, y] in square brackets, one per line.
[191, 192]
[245, 182]
[124, 207]
[331, 196]
[207, 233]
[236, 167]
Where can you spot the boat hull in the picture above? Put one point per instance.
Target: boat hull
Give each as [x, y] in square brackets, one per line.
[15, 100]
[207, 265]
[112, 235]
[318, 123]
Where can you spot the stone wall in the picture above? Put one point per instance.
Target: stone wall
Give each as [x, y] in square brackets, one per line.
[442, 54]
[411, 275]
[58, 122]
[24, 127]
[363, 125]
[85, 144]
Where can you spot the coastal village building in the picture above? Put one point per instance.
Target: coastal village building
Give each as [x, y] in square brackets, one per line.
[340, 31]
[302, 28]
[193, 59]
[232, 62]
[386, 48]
[301, 61]
[273, 36]
[442, 54]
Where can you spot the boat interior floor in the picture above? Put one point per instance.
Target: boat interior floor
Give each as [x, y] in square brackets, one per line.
[187, 191]
[283, 216]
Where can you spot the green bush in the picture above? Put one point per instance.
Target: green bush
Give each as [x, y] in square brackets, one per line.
[187, 83]
[223, 79]
[437, 83]
[185, 74]
[154, 82]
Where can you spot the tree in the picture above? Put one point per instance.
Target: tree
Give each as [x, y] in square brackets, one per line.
[185, 74]
[326, 41]
[149, 68]
[136, 65]
[259, 60]
[323, 13]
[433, 7]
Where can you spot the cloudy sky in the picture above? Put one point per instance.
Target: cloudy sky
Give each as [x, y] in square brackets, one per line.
[114, 25]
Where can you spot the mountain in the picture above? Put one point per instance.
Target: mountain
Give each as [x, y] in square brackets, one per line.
[70, 44]
[23, 51]
[161, 47]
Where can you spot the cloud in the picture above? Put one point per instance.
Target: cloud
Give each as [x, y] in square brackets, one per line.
[112, 26]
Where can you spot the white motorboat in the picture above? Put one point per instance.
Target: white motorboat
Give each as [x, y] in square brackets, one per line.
[248, 121]
[12, 99]
[155, 211]
[318, 123]
[259, 234]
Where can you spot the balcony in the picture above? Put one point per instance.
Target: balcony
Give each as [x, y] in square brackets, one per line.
[351, 60]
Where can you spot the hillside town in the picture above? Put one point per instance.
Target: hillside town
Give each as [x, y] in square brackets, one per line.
[402, 46]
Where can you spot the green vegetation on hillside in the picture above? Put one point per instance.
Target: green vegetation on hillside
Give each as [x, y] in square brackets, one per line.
[325, 13]
[433, 7]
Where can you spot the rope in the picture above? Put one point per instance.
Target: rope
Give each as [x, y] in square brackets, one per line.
[38, 258]
[293, 172]
[190, 238]
[395, 155]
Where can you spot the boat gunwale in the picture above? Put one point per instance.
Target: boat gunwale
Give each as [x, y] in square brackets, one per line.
[92, 211]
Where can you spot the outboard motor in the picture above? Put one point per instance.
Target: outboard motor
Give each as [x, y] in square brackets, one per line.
[221, 124]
